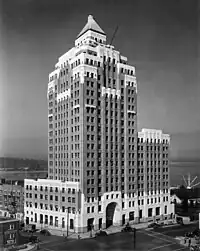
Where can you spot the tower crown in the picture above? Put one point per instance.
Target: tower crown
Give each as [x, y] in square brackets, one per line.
[91, 25]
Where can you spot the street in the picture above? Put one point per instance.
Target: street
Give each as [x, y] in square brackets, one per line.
[177, 230]
[145, 240]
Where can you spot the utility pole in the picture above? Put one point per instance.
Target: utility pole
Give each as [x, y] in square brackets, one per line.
[134, 237]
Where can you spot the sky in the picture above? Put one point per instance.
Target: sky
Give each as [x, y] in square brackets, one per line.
[159, 37]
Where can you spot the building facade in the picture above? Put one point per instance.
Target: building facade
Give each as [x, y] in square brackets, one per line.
[52, 204]
[92, 136]
[12, 197]
[9, 232]
[154, 175]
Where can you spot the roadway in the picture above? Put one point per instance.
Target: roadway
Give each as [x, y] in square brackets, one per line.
[178, 230]
[161, 239]
[146, 240]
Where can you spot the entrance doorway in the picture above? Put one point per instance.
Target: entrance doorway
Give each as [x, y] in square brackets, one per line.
[110, 210]
[123, 219]
[27, 220]
[71, 224]
[100, 223]
[90, 224]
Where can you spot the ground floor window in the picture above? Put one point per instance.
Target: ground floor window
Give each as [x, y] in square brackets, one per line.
[100, 223]
[71, 224]
[46, 219]
[157, 210]
[51, 220]
[27, 220]
[165, 209]
[131, 216]
[63, 222]
[140, 213]
[56, 221]
[41, 218]
[150, 212]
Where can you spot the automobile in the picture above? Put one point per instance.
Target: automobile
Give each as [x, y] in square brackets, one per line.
[127, 229]
[30, 228]
[154, 225]
[45, 232]
[196, 232]
[34, 239]
[101, 233]
[179, 220]
[189, 235]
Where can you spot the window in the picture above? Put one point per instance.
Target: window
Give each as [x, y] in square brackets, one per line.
[131, 215]
[56, 221]
[165, 210]
[150, 212]
[157, 210]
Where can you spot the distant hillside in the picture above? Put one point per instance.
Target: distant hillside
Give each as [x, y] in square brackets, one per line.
[8, 163]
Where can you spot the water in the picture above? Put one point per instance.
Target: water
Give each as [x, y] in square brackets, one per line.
[177, 169]
[18, 175]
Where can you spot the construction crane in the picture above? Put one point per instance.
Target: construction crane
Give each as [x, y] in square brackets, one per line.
[114, 34]
[190, 182]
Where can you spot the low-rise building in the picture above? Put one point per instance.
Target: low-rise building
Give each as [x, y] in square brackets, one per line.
[52, 204]
[12, 197]
[9, 232]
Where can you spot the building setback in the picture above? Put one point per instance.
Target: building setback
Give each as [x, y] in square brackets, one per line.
[154, 175]
[92, 136]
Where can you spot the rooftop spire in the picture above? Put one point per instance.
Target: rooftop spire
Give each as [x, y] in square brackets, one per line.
[91, 25]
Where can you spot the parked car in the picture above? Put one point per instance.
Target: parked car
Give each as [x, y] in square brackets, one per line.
[189, 235]
[154, 225]
[127, 229]
[179, 220]
[34, 239]
[45, 232]
[31, 228]
[101, 233]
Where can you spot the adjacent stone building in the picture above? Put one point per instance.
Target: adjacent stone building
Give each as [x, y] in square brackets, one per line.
[12, 197]
[9, 232]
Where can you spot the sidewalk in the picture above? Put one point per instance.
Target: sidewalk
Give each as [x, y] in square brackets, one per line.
[185, 241]
[110, 230]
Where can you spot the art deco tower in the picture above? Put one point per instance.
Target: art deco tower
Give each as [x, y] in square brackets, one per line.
[93, 172]
[92, 115]
[92, 96]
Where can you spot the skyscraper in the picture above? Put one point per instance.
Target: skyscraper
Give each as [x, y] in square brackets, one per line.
[92, 148]
[92, 117]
